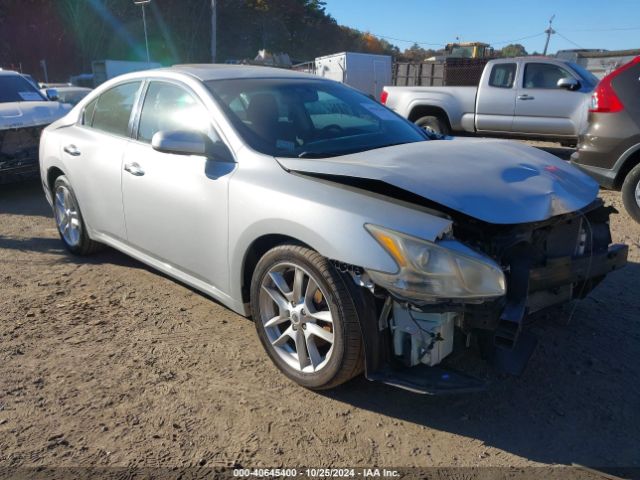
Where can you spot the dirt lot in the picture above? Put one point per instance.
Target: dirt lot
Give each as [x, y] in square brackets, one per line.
[105, 362]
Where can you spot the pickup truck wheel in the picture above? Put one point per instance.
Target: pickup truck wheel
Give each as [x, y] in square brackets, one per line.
[436, 124]
[631, 193]
[71, 226]
[306, 318]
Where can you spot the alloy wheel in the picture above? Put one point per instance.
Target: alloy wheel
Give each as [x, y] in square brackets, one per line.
[296, 317]
[67, 216]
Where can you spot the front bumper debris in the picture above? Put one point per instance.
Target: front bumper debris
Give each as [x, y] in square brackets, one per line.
[429, 380]
[562, 271]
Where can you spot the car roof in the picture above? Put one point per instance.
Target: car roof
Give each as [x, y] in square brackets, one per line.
[531, 58]
[211, 71]
[71, 87]
[9, 72]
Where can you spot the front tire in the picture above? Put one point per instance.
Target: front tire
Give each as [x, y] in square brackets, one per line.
[305, 317]
[69, 221]
[631, 193]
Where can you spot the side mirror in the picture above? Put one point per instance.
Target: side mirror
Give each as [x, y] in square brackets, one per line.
[189, 142]
[180, 142]
[52, 94]
[568, 83]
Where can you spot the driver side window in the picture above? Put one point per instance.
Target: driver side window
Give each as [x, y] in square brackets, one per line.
[168, 107]
[542, 75]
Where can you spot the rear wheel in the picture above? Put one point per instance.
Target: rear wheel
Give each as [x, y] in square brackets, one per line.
[631, 193]
[436, 124]
[71, 226]
[305, 317]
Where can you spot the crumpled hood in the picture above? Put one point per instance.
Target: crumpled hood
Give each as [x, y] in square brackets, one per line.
[496, 181]
[29, 114]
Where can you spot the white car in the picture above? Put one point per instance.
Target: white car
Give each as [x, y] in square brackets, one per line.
[24, 112]
[353, 240]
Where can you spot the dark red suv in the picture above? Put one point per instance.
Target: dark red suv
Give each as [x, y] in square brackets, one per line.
[609, 148]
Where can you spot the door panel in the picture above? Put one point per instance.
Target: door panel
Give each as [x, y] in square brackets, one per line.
[544, 109]
[176, 211]
[95, 175]
[496, 99]
[93, 152]
[176, 205]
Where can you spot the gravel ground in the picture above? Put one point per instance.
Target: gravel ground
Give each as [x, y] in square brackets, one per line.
[105, 362]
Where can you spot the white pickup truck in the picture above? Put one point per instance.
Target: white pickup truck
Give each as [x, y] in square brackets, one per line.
[533, 97]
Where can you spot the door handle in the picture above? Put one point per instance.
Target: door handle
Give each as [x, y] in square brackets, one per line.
[134, 169]
[525, 97]
[72, 150]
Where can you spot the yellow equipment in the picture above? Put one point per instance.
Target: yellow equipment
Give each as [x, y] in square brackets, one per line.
[469, 50]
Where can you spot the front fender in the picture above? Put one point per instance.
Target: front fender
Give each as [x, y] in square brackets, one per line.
[327, 217]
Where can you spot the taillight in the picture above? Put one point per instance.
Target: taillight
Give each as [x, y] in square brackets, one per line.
[383, 96]
[604, 98]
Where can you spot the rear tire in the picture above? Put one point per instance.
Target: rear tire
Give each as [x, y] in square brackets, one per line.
[300, 303]
[631, 193]
[435, 123]
[69, 221]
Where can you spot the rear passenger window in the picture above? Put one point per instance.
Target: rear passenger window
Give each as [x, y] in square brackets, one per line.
[503, 75]
[113, 109]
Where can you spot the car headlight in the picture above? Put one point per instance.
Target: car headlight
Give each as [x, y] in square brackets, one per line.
[433, 272]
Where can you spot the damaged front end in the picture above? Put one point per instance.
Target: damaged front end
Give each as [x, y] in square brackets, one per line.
[19, 152]
[478, 283]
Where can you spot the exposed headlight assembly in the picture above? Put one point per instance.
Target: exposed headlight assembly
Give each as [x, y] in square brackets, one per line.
[434, 272]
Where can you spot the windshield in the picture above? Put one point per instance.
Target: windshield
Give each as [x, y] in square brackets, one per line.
[309, 118]
[14, 88]
[72, 96]
[586, 75]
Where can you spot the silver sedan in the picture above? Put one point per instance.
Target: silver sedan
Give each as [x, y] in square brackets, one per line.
[354, 240]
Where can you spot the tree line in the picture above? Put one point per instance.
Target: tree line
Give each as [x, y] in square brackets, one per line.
[70, 34]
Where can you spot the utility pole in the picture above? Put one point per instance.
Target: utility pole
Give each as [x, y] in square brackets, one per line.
[214, 22]
[549, 31]
[142, 3]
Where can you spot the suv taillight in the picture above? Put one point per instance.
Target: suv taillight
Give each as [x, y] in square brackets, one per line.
[604, 98]
[383, 96]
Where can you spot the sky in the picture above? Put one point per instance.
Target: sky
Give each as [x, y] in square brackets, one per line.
[608, 24]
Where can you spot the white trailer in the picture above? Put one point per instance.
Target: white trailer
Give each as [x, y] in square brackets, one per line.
[104, 70]
[367, 72]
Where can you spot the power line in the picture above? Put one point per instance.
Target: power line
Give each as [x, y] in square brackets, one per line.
[517, 39]
[570, 41]
[504, 42]
[622, 29]
[408, 41]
